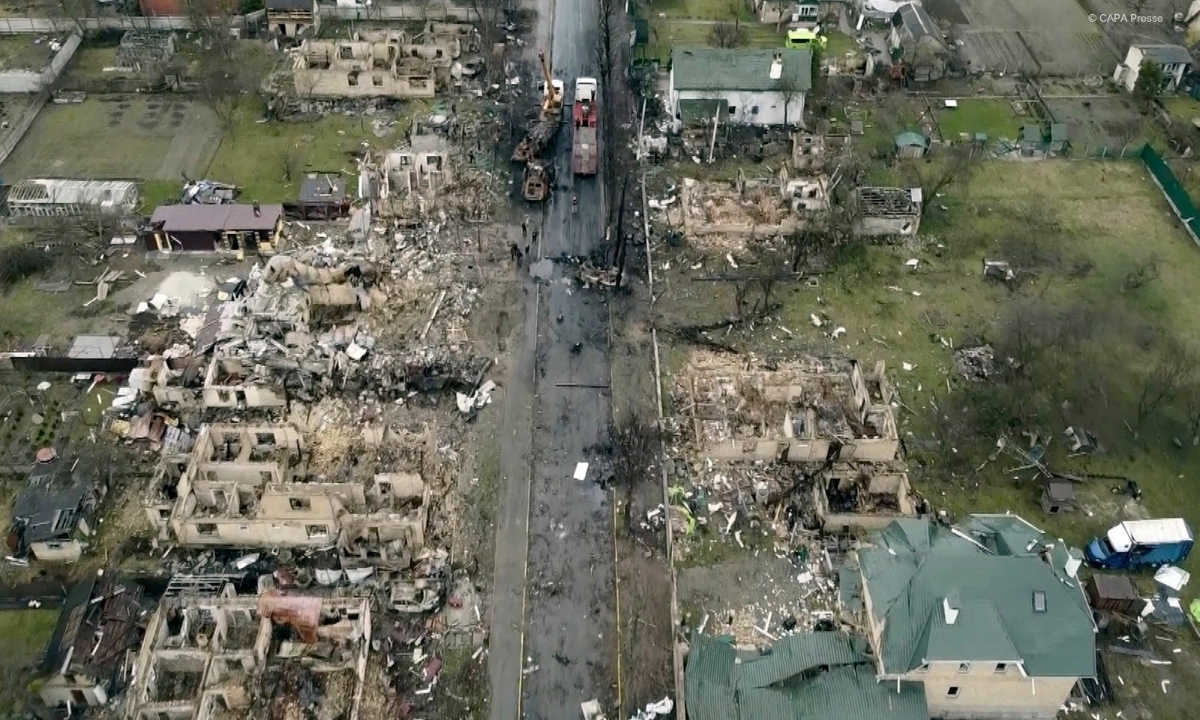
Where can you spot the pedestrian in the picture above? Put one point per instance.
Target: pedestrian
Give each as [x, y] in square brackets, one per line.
[524, 228]
[535, 234]
[527, 249]
[513, 251]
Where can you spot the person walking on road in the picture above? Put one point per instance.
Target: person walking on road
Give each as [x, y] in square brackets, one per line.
[524, 228]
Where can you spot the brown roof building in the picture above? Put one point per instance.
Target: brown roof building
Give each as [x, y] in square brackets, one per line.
[215, 228]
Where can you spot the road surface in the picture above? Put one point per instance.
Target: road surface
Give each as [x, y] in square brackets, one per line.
[552, 645]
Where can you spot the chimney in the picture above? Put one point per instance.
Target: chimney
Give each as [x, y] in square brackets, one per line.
[257, 209]
[777, 66]
[950, 607]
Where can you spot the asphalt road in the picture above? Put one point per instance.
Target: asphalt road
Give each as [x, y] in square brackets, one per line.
[552, 644]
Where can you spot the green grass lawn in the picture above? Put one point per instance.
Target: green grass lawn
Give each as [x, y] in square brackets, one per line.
[1182, 108]
[701, 10]
[837, 45]
[254, 155]
[994, 117]
[159, 192]
[26, 635]
[666, 34]
[19, 52]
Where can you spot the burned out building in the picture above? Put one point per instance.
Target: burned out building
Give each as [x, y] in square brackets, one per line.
[880, 211]
[222, 656]
[249, 486]
[236, 228]
[860, 496]
[376, 63]
[751, 207]
[102, 619]
[291, 19]
[807, 410]
[145, 50]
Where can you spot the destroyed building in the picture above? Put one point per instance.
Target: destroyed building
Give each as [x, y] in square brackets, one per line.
[747, 207]
[52, 514]
[880, 211]
[816, 153]
[56, 198]
[805, 411]
[421, 168]
[849, 497]
[377, 63]
[215, 228]
[145, 50]
[225, 656]
[102, 620]
[249, 486]
[291, 19]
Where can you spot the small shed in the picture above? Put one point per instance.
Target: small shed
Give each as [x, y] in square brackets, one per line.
[1059, 144]
[323, 197]
[1114, 593]
[1058, 496]
[911, 144]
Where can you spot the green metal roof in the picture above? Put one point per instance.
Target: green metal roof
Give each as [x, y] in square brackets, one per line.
[702, 68]
[910, 574]
[814, 676]
[911, 139]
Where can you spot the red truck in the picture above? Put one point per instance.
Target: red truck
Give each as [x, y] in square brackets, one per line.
[585, 158]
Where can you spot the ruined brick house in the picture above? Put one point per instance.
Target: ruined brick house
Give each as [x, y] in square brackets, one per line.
[290, 19]
[52, 515]
[377, 63]
[223, 656]
[862, 496]
[247, 486]
[884, 211]
[990, 618]
[806, 411]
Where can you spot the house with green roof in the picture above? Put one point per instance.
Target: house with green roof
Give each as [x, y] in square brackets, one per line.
[744, 86]
[812, 676]
[989, 617]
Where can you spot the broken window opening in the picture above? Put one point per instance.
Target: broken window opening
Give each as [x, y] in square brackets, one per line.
[754, 110]
[733, 109]
[964, 668]
[316, 531]
[300, 503]
[345, 52]
[377, 80]
[1001, 668]
[954, 691]
[352, 79]
[206, 528]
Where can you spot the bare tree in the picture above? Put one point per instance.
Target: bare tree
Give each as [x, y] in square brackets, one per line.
[490, 13]
[292, 162]
[789, 89]
[933, 174]
[223, 85]
[75, 12]
[726, 34]
[1174, 369]
[212, 20]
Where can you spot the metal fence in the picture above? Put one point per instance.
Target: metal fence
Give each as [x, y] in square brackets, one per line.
[1177, 196]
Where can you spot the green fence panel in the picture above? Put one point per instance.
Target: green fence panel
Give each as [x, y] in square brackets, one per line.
[1180, 201]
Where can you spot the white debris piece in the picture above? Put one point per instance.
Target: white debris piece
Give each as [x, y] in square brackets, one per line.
[908, 367]
[912, 264]
[358, 352]
[581, 471]
[838, 332]
[477, 399]
[816, 321]
[591, 710]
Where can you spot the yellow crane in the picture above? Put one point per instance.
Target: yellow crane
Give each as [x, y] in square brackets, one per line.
[552, 101]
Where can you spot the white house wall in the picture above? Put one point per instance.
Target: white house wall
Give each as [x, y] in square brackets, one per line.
[770, 106]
